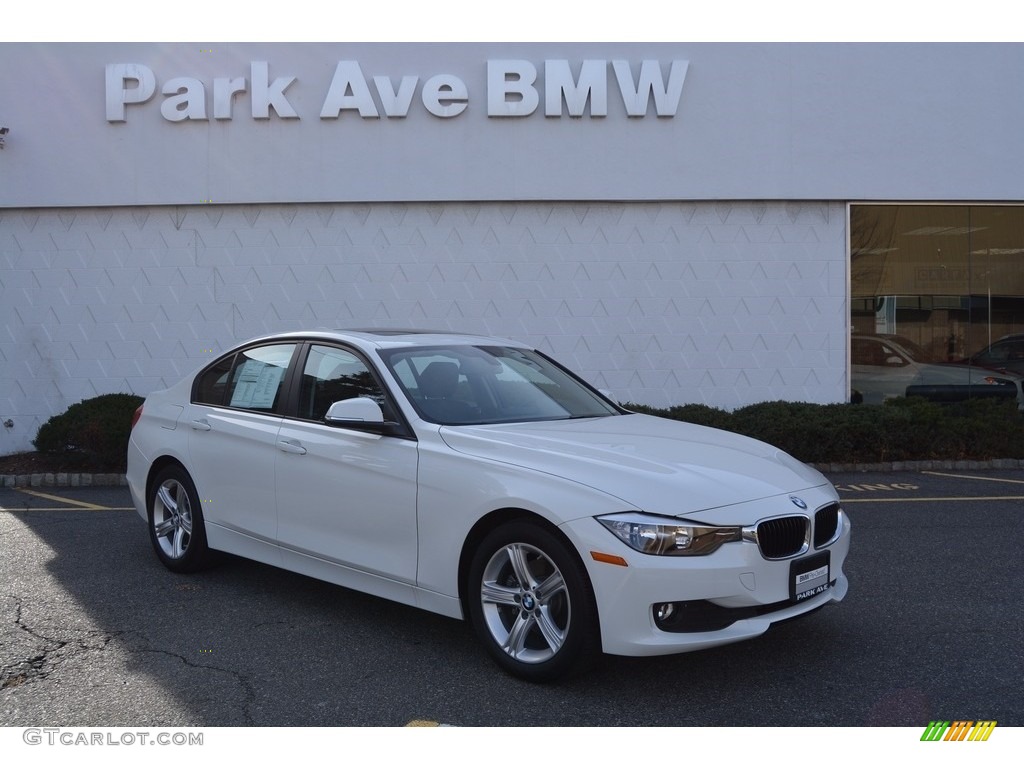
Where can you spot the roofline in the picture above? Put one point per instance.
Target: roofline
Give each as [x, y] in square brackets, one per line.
[382, 336]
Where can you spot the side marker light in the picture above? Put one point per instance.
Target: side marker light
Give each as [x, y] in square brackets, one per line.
[601, 557]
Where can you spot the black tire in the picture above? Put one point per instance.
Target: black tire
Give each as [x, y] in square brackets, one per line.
[531, 602]
[176, 526]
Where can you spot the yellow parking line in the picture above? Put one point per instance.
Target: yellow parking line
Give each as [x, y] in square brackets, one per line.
[65, 509]
[937, 498]
[973, 477]
[62, 500]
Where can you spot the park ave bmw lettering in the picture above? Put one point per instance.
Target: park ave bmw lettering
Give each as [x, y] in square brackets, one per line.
[515, 89]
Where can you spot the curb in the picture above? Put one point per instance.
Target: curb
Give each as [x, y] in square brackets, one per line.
[107, 480]
[63, 480]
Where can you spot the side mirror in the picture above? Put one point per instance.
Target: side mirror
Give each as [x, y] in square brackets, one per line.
[354, 412]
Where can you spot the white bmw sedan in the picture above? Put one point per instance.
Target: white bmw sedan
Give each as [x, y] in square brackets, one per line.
[477, 478]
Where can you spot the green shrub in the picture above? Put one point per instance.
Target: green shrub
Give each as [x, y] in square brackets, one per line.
[694, 413]
[903, 429]
[98, 427]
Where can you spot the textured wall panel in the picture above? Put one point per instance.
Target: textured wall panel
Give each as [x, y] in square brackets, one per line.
[721, 303]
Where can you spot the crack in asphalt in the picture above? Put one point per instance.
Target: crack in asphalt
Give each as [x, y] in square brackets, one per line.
[38, 668]
[44, 662]
[54, 651]
[247, 687]
[287, 622]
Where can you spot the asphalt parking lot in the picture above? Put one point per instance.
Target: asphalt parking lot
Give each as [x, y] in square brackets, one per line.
[95, 632]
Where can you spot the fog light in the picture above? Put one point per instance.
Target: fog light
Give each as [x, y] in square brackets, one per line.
[662, 611]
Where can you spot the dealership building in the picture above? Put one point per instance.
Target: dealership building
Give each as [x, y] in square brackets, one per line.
[679, 223]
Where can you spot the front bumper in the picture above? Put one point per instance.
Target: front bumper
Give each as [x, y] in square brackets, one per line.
[733, 582]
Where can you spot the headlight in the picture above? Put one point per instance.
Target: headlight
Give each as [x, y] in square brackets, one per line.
[654, 535]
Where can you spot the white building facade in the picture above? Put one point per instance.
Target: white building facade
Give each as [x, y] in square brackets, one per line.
[673, 221]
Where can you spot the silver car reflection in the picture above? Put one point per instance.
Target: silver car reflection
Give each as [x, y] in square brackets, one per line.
[884, 366]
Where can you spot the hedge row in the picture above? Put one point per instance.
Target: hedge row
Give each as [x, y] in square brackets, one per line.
[903, 429]
[98, 428]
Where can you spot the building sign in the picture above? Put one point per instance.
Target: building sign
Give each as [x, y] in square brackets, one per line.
[513, 87]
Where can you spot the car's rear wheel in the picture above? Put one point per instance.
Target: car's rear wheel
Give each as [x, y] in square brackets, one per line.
[176, 526]
[531, 603]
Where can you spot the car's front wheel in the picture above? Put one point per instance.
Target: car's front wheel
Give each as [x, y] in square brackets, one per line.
[176, 526]
[531, 603]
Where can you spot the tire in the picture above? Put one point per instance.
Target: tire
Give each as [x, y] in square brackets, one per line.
[531, 603]
[176, 526]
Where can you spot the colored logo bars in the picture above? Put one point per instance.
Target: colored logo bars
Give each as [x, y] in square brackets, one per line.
[959, 730]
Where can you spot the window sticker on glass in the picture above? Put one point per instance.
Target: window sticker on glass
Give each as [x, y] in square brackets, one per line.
[257, 385]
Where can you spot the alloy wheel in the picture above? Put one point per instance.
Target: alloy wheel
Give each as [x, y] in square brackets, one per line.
[172, 519]
[526, 604]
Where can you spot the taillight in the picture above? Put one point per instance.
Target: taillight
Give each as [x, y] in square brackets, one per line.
[136, 416]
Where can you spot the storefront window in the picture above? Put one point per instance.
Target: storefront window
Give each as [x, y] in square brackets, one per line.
[937, 301]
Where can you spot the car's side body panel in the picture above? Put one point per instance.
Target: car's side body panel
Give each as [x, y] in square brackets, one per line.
[349, 497]
[455, 492]
[232, 455]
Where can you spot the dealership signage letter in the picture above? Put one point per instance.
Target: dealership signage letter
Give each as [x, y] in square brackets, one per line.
[515, 89]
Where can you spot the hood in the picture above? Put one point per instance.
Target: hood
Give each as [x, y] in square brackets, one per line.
[653, 464]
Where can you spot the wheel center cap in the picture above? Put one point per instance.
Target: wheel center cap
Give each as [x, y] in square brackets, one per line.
[529, 603]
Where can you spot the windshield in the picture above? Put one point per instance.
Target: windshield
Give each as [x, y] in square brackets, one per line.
[490, 385]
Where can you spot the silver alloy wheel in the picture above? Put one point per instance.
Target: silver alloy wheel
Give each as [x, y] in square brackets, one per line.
[172, 518]
[525, 602]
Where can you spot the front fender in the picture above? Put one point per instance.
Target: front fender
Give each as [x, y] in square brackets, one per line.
[456, 491]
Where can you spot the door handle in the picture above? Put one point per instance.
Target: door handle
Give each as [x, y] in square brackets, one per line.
[201, 425]
[290, 446]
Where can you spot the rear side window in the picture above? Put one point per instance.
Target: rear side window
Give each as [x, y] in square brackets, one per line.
[213, 382]
[253, 379]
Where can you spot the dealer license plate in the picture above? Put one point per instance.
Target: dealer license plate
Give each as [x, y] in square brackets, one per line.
[809, 576]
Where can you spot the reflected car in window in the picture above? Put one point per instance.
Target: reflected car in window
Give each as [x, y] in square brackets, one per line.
[479, 479]
[885, 366]
[1005, 355]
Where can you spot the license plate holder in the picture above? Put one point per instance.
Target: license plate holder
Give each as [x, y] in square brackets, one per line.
[810, 576]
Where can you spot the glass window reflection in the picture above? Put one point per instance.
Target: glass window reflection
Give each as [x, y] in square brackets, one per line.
[937, 300]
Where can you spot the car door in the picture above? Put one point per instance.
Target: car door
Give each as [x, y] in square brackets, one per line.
[344, 496]
[234, 422]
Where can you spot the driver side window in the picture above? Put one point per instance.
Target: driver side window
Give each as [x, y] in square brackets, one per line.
[330, 375]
